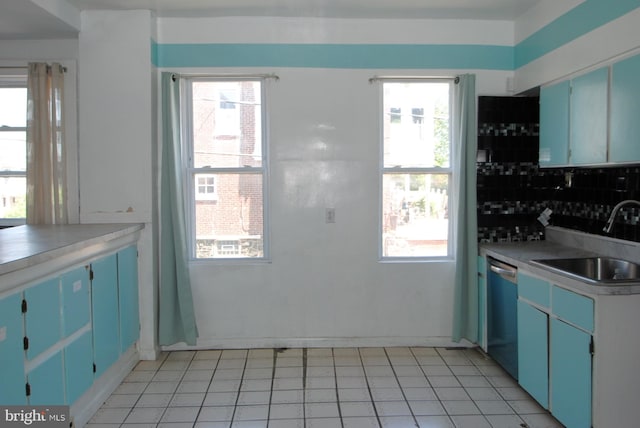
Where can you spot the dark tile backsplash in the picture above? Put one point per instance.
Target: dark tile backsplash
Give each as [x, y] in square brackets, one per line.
[512, 190]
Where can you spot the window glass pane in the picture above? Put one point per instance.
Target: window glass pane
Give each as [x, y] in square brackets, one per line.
[12, 197]
[415, 215]
[227, 124]
[231, 223]
[13, 151]
[416, 124]
[13, 107]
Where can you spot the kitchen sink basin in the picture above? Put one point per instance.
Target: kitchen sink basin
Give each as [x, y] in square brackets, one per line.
[596, 270]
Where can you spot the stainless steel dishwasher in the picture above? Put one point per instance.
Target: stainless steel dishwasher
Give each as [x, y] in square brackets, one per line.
[502, 315]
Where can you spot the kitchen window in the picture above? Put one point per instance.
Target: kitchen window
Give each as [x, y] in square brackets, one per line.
[226, 171]
[416, 169]
[13, 161]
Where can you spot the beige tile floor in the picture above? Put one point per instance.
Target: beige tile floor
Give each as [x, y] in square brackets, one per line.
[398, 387]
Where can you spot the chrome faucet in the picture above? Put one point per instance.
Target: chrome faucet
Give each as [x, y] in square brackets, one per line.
[607, 228]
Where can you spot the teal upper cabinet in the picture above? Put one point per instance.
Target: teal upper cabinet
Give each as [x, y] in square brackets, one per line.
[592, 119]
[588, 119]
[554, 124]
[625, 111]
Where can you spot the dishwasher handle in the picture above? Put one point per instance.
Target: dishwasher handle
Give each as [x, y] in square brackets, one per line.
[508, 272]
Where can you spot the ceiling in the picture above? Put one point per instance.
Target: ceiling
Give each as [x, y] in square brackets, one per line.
[32, 19]
[461, 9]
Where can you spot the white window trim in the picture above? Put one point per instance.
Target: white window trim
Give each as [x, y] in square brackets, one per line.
[190, 171]
[13, 78]
[450, 171]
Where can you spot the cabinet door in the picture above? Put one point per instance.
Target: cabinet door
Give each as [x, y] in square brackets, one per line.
[482, 303]
[104, 306]
[46, 382]
[554, 124]
[76, 300]
[128, 297]
[588, 130]
[533, 352]
[625, 111]
[78, 363]
[12, 385]
[42, 319]
[570, 375]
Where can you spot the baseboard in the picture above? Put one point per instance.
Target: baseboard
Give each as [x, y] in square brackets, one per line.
[332, 342]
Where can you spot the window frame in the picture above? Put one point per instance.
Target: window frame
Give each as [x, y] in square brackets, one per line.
[450, 171]
[190, 171]
[14, 79]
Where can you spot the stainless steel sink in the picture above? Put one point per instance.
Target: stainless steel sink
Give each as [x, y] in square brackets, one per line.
[596, 270]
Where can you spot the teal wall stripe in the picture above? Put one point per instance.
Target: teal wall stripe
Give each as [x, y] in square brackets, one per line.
[401, 56]
[577, 22]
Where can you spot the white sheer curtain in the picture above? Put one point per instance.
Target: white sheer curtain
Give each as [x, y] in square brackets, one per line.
[46, 165]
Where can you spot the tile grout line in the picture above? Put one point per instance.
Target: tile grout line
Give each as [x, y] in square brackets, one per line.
[404, 396]
[208, 386]
[235, 407]
[335, 376]
[366, 379]
[304, 386]
[273, 379]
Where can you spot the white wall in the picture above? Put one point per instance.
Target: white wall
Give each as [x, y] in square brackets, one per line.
[116, 130]
[325, 285]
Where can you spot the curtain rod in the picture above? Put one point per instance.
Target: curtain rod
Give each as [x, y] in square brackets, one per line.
[24, 67]
[227, 76]
[373, 79]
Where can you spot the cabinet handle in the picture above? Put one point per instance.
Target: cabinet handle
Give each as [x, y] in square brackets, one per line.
[506, 272]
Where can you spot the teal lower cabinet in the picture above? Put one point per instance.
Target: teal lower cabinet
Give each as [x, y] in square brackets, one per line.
[76, 300]
[104, 305]
[128, 297]
[570, 375]
[555, 330]
[482, 302]
[533, 352]
[12, 383]
[78, 364]
[46, 382]
[42, 316]
[58, 336]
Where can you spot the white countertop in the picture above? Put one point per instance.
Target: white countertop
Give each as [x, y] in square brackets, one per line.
[520, 254]
[26, 246]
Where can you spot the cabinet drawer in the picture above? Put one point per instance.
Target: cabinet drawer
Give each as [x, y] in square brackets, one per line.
[572, 307]
[534, 289]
